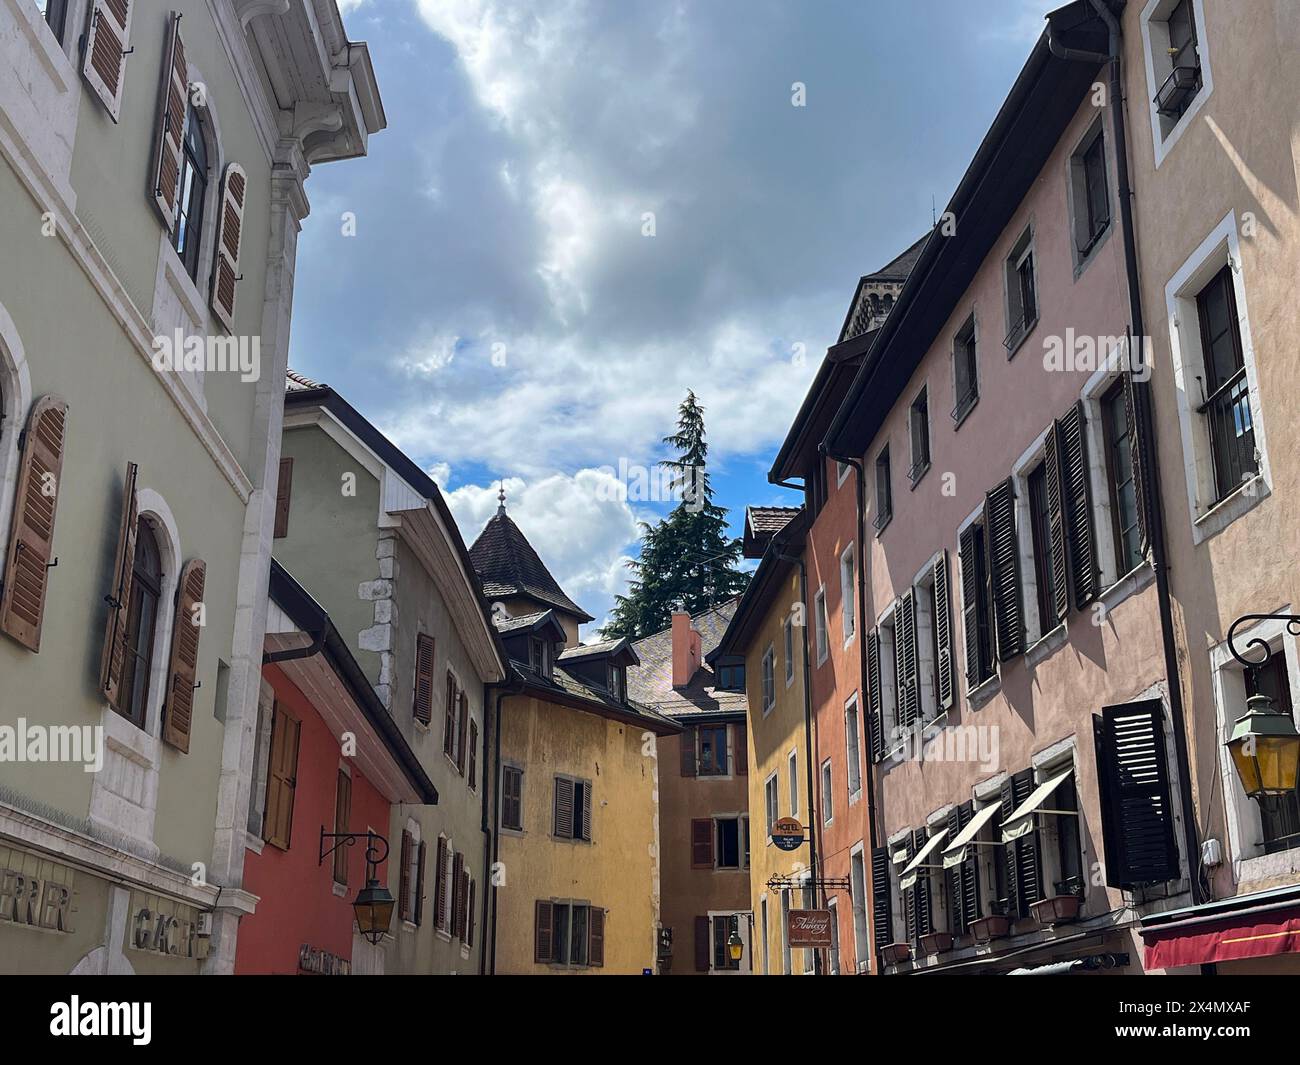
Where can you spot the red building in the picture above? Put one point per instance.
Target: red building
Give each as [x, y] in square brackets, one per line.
[328, 758]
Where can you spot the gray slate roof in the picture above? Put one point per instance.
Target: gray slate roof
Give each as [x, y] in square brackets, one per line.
[507, 565]
[652, 681]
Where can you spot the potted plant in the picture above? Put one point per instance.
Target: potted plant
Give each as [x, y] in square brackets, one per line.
[893, 953]
[936, 942]
[1063, 906]
[996, 925]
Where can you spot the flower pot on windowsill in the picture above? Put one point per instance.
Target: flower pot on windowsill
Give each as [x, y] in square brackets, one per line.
[894, 953]
[936, 942]
[987, 929]
[1056, 910]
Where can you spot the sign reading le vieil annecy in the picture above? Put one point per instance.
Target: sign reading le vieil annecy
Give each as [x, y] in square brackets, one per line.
[809, 928]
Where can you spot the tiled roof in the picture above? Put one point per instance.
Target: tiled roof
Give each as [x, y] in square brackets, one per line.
[508, 566]
[563, 683]
[587, 650]
[652, 681]
[296, 382]
[898, 268]
[523, 621]
[769, 519]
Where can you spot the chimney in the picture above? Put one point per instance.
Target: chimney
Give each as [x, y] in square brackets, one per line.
[686, 648]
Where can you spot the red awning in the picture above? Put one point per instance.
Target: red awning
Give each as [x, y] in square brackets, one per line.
[1258, 935]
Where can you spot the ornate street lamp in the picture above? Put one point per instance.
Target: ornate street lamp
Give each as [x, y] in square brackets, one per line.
[735, 945]
[1264, 744]
[374, 903]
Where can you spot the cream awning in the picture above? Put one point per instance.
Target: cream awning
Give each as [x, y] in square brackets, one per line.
[912, 871]
[1021, 821]
[956, 851]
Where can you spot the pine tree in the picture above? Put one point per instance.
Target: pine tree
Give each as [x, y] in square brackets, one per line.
[686, 558]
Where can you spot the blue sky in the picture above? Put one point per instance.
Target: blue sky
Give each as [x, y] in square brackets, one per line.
[501, 311]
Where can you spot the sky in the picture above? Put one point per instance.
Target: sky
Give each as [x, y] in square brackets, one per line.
[581, 209]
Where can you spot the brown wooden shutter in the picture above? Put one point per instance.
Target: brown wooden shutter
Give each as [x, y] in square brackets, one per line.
[563, 808]
[31, 541]
[119, 598]
[944, 678]
[404, 880]
[283, 492]
[970, 598]
[464, 906]
[230, 224]
[342, 815]
[104, 65]
[457, 897]
[282, 779]
[440, 915]
[703, 927]
[473, 754]
[462, 701]
[423, 699]
[741, 734]
[1056, 524]
[421, 855]
[596, 937]
[169, 136]
[1076, 491]
[449, 719]
[543, 936]
[905, 661]
[702, 843]
[1136, 437]
[586, 811]
[876, 720]
[183, 666]
[687, 742]
[1004, 569]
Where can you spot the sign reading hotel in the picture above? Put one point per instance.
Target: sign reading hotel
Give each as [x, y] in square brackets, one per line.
[787, 833]
[809, 928]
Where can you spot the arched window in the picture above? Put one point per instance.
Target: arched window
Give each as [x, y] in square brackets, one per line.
[141, 623]
[187, 234]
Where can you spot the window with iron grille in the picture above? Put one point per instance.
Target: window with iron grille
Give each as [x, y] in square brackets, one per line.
[1022, 292]
[884, 490]
[1118, 436]
[965, 368]
[918, 418]
[1226, 394]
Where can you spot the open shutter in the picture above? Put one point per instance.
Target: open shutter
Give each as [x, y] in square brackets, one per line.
[470, 918]
[283, 492]
[876, 720]
[563, 808]
[169, 136]
[924, 913]
[31, 541]
[342, 816]
[421, 855]
[183, 666]
[462, 730]
[703, 929]
[423, 702]
[119, 598]
[104, 65]
[1024, 873]
[596, 937]
[586, 812]
[463, 926]
[457, 896]
[440, 914]
[881, 918]
[1136, 804]
[1004, 570]
[473, 754]
[1136, 436]
[952, 879]
[1056, 521]
[230, 225]
[909, 702]
[741, 740]
[404, 880]
[449, 717]
[702, 843]
[687, 742]
[970, 594]
[963, 880]
[910, 923]
[543, 948]
[945, 682]
[1077, 501]
[282, 780]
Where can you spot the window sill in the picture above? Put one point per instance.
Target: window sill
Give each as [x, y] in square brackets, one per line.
[881, 525]
[977, 696]
[962, 411]
[1243, 498]
[1268, 866]
[506, 830]
[915, 478]
[1043, 647]
[409, 926]
[1130, 584]
[1084, 258]
[253, 843]
[340, 890]
[1014, 343]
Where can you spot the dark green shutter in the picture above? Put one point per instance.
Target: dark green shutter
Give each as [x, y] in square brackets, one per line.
[945, 683]
[876, 717]
[1024, 874]
[924, 914]
[881, 917]
[702, 927]
[963, 880]
[909, 707]
[1076, 499]
[1056, 524]
[1004, 569]
[970, 596]
[1136, 436]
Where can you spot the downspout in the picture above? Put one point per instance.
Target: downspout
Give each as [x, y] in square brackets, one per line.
[488, 962]
[813, 827]
[1145, 419]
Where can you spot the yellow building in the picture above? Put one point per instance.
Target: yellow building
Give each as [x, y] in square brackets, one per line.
[575, 808]
[768, 633]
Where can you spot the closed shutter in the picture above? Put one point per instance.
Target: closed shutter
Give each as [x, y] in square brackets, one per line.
[740, 737]
[283, 493]
[169, 135]
[1004, 569]
[1076, 491]
[462, 728]
[945, 683]
[473, 754]
[1136, 438]
[924, 912]
[31, 541]
[970, 598]
[703, 931]
[119, 598]
[449, 721]
[440, 914]
[962, 880]
[421, 856]
[183, 667]
[423, 700]
[596, 937]
[282, 779]
[404, 879]
[104, 65]
[230, 225]
[563, 808]
[1136, 802]
[909, 703]
[586, 811]
[1024, 875]
[543, 936]
[702, 843]
[881, 918]
[342, 815]
[471, 915]
[876, 720]
[512, 799]
[1056, 522]
[687, 742]
[457, 896]
[463, 925]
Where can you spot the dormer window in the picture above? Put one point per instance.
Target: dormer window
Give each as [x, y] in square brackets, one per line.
[540, 656]
[617, 683]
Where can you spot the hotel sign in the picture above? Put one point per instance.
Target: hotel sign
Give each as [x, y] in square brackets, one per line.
[809, 928]
[787, 833]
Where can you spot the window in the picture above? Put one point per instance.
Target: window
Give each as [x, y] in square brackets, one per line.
[1181, 67]
[1022, 297]
[512, 797]
[472, 775]
[1225, 393]
[976, 605]
[1041, 544]
[187, 234]
[1279, 815]
[281, 779]
[828, 804]
[141, 623]
[413, 852]
[769, 680]
[770, 802]
[55, 13]
[723, 926]
[1117, 435]
[965, 371]
[833, 953]
[342, 815]
[731, 676]
[918, 420]
[569, 933]
[615, 683]
[1089, 193]
[422, 694]
[788, 633]
[727, 853]
[848, 596]
[792, 775]
[841, 472]
[884, 493]
[713, 750]
[572, 809]
[858, 894]
[820, 625]
[767, 961]
[787, 966]
[853, 744]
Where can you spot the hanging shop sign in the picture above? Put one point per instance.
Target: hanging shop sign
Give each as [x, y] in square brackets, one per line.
[809, 928]
[787, 833]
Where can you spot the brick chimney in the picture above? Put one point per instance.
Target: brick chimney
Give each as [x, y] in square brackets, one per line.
[686, 648]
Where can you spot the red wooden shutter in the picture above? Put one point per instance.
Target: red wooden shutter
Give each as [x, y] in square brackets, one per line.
[596, 937]
[449, 722]
[423, 702]
[282, 780]
[741, 739]
[404, 881]
[687, 741]
[563, 808]
[119, 598]
[230, 224]
[421, 853]
[283, 490]
[473, 754]
[462, 701]
[104, 65]
[703, 928]
[31, 542]
[169, 136]
[178, 710]
[702, 843]
[543, 937]
[440, 916]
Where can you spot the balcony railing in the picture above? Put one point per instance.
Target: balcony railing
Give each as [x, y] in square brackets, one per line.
[1177, 91]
